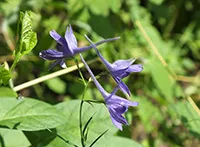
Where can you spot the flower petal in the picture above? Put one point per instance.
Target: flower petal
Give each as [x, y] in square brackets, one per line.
[122, 64]
[135, 68]
[70, 38]
[117, 124]
[118, 100]
[117, 116]
[58, 38]
[51, 54]
[120, 109]
[123, 87]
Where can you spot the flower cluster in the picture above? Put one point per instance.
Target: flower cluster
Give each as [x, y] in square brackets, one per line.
[67, 47]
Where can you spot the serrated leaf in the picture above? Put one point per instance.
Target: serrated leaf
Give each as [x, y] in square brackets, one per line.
[29, 114]
[13, 138]
[29, 43]
[27, 39]
[5, 75]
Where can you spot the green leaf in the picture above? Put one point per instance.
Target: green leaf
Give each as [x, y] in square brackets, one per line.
[5, 91]
[27, 38]
[29, 43]
[188, 116]
[115, 141]
[5, 75]
[115, 5]
[162, 79]
[102, 7]
[13, 138]
[29, 114]
[149, 117]
[157, 2]
[9, 6]
[70, 130]
[56, 85]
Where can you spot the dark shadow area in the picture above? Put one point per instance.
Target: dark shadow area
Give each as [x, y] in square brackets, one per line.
[14, 126]
[41, 138]
[2, 144]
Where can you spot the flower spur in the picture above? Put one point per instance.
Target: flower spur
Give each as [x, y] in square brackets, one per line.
[66, 47]
[115, 104]
[119, 69]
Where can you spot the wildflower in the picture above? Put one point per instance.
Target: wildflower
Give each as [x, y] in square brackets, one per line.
[115, 104]
[66, 47]
[119, 69]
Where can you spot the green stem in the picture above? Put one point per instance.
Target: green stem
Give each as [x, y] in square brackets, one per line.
[80, 124]
[16, 60]
[83, 141]
[79, 70]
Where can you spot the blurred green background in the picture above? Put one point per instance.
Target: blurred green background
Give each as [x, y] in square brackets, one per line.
[151, 30]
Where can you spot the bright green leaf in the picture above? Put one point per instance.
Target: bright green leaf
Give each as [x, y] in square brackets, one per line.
[29, 114]
[115, 5]
[29, 43]
[13, 138]
[5, 75]
[27, 38]
[115, 141]
[5, 91]
[70, 130]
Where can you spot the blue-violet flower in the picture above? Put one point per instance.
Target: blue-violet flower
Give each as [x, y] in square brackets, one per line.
[119, 69]
[115, 104]
[66, 47]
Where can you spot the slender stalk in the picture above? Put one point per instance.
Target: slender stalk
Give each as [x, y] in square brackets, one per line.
[106, 63]
[98, 138]
[80, 123]
[49, 76]
[162, 60]
[194, 105]
[16, 60]
[83, 140]
[80, 73]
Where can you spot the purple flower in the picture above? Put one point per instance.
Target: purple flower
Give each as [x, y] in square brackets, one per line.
[119, 69]
[115, 104]
[66, 47]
